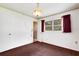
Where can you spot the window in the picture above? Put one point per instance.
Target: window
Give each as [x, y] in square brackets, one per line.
[57, 25]
[48, 25]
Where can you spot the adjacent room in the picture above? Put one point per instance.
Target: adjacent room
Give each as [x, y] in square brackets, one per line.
[39, 29]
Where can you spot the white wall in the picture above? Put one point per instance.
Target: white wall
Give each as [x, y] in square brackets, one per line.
[18, 25]
[59, 38]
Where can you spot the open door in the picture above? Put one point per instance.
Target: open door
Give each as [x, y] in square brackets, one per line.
[34, 31]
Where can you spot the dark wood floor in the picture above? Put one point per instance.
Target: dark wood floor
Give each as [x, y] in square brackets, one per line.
[39, 49]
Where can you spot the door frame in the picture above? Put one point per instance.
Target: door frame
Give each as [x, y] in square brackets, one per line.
[35, 23]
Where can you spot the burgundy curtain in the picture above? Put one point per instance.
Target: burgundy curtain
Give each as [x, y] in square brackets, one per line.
[42, 25]
[66, 23]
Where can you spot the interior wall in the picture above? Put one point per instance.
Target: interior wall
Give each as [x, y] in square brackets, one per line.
[15, 29]
[67, 40]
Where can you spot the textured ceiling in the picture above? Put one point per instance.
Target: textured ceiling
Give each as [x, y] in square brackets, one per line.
[47, 8]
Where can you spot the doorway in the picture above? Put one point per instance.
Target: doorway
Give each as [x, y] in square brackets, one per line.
[34, 31]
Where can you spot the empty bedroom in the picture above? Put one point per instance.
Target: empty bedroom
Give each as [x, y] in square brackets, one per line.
[39, 29]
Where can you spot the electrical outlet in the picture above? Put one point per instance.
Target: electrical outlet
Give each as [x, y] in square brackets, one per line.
[76, 42]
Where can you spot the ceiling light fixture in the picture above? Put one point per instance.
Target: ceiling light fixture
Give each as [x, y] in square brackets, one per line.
[37, 11]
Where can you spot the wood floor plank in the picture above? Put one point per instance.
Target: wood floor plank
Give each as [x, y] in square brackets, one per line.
[39, 49]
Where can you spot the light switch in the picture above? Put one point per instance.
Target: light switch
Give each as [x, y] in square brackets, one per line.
[10, 34]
